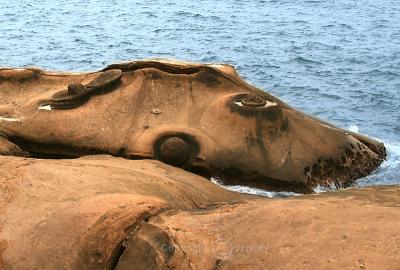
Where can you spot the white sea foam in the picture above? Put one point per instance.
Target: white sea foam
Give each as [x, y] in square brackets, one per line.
[254, 191]
[354, 128]
[389, 171]
[321, 189]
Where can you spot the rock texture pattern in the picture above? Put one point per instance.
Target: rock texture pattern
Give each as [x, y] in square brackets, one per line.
[203, 118]
[102, 212]
[95, 173]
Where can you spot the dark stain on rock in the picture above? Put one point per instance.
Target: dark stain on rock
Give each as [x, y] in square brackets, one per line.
[260, 136]
[15, 75]
[155, 75]
[191, 91]
[340, 172]
[209, 79]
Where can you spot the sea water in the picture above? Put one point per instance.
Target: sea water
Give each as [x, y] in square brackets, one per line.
[338, 59]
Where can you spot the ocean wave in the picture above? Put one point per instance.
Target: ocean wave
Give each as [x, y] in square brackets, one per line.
[339, 68]
[389, 171]
[303, 60]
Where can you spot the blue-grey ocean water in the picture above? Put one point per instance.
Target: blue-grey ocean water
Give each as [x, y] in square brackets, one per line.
[337, 59]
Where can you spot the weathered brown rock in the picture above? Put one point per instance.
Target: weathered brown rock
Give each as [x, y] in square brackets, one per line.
[72, 214]
[357, 229]
[226, 126]
[102, 212]
[109, 212]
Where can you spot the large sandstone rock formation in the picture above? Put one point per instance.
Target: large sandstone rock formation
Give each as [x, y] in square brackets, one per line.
[103, 212]
[84, 180]
[203, 118]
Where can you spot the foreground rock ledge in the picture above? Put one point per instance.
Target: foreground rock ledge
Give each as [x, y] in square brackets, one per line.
[102, 212]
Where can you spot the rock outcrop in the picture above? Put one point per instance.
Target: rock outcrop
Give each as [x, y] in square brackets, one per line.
[102, 212]
[104, 170]
[203, 118]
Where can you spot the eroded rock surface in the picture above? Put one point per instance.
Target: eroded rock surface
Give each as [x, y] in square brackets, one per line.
[203, 118]
[102, 212]
[73, 214]
[81, 187]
